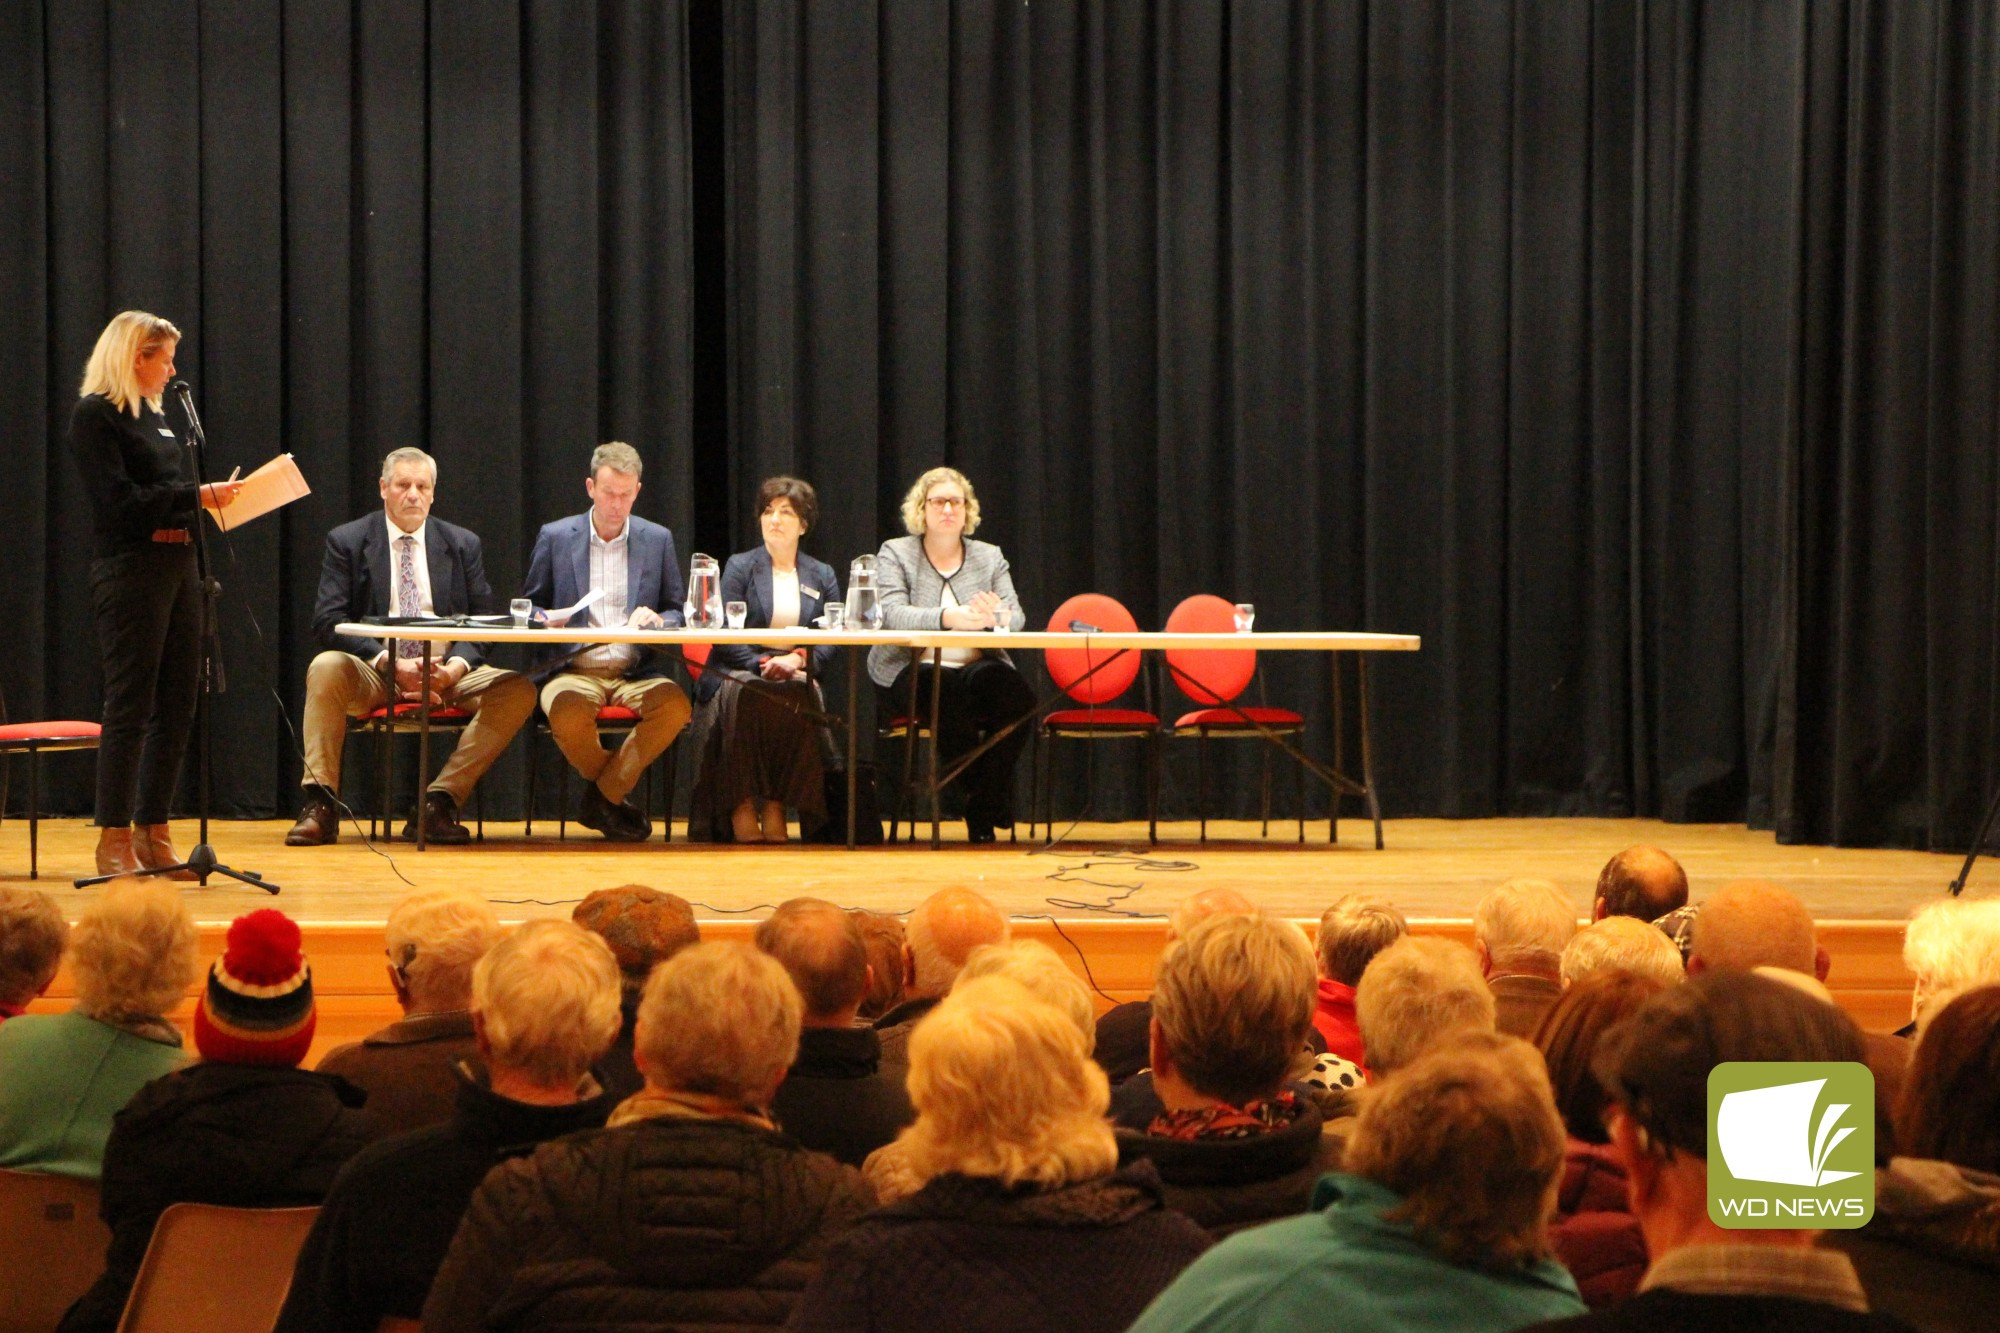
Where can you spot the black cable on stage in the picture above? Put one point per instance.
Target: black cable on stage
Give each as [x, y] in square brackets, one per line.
[285, 716]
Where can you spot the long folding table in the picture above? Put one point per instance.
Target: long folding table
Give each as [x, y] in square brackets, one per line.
[934, 643]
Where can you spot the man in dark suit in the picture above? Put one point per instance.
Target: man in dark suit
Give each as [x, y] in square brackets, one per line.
[629, 562]
[402, 562]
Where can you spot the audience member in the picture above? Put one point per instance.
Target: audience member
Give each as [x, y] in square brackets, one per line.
[244, 1127]
[1124, 1031]
[943, 931]
[1621, 944]
[435, 937]
[644, 928]
[1045, 975]
[1023, 1221]
[1595, 1234]
[691, 1210]
[1640, 882]
[1419, 991]
[63, 1076]
[1232, 1144]
[1751, 924]
[1931, 1254]
[1351, 933]
[32, 936]
[884, 935]
[891, 1172]
[1440, 1219]
[835, 1098]
[544, 1009]
[1949, 946]
[1655, 1066]
[1519, 931]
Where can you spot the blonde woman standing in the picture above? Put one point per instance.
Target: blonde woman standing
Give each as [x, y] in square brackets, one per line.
[144, 593]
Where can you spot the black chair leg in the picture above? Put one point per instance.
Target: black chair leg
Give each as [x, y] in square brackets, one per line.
[1264, 787]
[528, 824]
[1153, 788]
[34, 814]
[1299, 795]
[1201, 782]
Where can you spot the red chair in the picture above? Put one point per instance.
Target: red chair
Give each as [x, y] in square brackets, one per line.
[1213, 678]
[615, 721]
[34, 739]
[382, 728]
[1094, 677]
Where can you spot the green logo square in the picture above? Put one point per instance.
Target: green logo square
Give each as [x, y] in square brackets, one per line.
[1791, 1143]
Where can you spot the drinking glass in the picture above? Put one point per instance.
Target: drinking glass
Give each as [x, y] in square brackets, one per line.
[521, 609]
[835, 616]
[736, 613]
[1246, 616]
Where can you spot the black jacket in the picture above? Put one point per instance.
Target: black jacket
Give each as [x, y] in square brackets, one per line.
[392, 1211]
[974, 1256]
[357, 578]
[894, 1029]
[747, 579]
[837, 1099]
[243, 1136]
[668, 1222]
[131, 468]
[1225, 1185]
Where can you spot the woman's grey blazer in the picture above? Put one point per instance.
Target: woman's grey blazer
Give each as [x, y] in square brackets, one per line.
[912, 596]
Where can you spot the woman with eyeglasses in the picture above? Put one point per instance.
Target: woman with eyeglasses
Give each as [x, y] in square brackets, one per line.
[939, 578]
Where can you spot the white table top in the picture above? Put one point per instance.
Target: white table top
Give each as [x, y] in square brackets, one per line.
[1277, 640]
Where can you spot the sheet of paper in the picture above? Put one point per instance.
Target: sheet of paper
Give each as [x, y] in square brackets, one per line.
[561, 615]
[272, 486]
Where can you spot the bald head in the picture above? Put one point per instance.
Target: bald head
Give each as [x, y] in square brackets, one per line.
[823, 951]
[1752, 924]
[1640, 881]
[944, 930]
[1200, 906]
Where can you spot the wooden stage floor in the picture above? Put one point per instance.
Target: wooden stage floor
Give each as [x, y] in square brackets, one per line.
[1099, 899]
[1432, 868]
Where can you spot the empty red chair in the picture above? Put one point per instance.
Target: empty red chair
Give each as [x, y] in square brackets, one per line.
[1095, 677]
[1213, 679]
[34, 739]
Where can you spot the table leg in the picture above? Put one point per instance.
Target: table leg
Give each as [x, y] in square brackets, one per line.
[1335, 795]
[937, 686]
[1367, 746]
[423, 734]
[855, 663]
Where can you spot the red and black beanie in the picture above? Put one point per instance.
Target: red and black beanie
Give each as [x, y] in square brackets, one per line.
[258, 1006]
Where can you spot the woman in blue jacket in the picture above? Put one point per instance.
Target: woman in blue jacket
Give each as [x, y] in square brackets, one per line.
[760, 750]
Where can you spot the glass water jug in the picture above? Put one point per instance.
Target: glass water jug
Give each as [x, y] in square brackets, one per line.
[864, 607]
[703, 608]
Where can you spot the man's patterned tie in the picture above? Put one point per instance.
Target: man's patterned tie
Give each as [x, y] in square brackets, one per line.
[409, 597]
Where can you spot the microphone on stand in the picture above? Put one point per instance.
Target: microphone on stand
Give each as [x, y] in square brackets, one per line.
[1084, 627]
[181, 390]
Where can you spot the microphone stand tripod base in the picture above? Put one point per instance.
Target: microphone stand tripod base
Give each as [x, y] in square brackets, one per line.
[201, 860]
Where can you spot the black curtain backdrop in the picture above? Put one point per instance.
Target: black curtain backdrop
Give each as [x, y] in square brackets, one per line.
[1642, 355]
[462, 226]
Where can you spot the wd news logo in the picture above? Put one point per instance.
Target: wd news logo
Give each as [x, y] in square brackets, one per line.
[1791, 1144]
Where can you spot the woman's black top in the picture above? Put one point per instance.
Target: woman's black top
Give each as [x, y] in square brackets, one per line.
[132, 472]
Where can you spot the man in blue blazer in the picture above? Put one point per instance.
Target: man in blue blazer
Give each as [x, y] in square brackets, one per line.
[630, 562]
[402, 562]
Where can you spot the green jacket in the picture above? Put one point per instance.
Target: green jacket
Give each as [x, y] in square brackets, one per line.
[62, 1078]
[1343, 1266]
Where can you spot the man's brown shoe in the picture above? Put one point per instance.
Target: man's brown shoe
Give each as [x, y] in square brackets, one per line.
[319, 822]
[441, 824]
